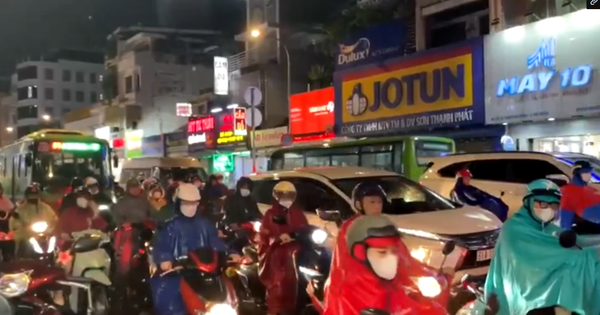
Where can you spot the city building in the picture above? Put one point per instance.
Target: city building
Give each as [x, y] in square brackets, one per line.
[54, 84]
[7, 132]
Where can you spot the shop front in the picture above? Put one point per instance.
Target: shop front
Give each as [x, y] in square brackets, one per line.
[201, 138]
[266, 142]
[231, 157]
[176, 144]
[436, 92]
[153, 146]
[133, 143]
[311, 115]
[539, 84]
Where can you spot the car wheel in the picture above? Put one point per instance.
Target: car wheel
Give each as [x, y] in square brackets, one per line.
[458, 301]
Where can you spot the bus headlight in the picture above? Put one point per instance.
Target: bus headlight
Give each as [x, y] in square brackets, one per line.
[12, 285]
[39, 227]
[318, 236]
[429, 286]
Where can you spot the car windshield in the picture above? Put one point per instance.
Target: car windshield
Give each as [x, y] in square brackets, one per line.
[404, 195]
[59, 168]
[595, 162]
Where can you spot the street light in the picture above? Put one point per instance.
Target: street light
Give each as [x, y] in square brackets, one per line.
[46, 117]
[255, 33]
[9, 129]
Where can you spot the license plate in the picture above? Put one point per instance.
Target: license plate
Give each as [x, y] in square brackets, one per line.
[483, 255]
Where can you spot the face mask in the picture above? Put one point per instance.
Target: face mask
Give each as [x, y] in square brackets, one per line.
[94, 191]
[586, 177]
[32, 201]
[82, 202]
[286, 203]
[157, 195]
[189, 210]
[385, 267]
[245, 192]
[544, 214]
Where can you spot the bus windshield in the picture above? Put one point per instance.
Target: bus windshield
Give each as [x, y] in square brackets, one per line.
[58, 169]
[425, 150]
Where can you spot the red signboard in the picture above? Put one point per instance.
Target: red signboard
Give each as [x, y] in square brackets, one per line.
[240, 119]
[312, 112]
[201, 124]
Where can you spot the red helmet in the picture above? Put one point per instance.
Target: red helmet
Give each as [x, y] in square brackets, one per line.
[464, 173]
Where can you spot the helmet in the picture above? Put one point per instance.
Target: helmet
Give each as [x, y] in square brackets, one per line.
[370, 231]
[243, 181]
[76, 182]
[32, 191]
[284, 190]
[543, 190]
[582, 167]
[188, 192]
[464, 173]
[367, 189]
[83, 192]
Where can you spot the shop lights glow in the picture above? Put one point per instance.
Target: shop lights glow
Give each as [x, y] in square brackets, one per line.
[75, 146]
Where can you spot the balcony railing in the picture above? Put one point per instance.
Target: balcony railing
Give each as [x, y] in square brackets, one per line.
[262, 53]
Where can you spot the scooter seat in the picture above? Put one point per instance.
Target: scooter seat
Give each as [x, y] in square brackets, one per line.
[83, 280]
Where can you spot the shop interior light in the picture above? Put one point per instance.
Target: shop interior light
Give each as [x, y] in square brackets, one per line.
[232, 106]
[75, 146]
[216, 110]
[551, 119]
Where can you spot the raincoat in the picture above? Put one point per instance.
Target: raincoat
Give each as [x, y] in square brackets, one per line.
[276, 267]
[473, 196]
[30, 213]
[579, 200]
[177, 238]
[75, 219]
[530, 270]
[132, 209]
[239, 209]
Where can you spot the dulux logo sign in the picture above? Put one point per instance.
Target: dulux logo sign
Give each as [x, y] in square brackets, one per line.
[542, 63]
[355, 52]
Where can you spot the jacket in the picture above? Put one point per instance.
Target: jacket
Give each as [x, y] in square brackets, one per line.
[30, 213]
[75, 219]
[132, 209]
[240, 209]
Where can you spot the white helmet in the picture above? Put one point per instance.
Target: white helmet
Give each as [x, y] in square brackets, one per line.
[188, 192]
[284, 190]
[89, 181]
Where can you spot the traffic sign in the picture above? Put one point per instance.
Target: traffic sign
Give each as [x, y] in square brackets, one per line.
[258, 118]
[287, 139]
[253, 96]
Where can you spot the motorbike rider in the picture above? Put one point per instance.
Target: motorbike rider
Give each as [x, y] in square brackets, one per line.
[95, 189]
[196, 181]
[33, 210]
[134, 207]
[84, 215]
[277, 270]
[162, 211]
[531, 271]
[6, 209]
[183, 233]
[241, 207]
[171, 189]
[69, 197]
[580, 204]
[463, 192]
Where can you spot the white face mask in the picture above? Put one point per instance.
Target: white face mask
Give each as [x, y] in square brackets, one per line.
[82, 202]
[587, 177]
[385, 267]
[286, 203]
[544, 214]
[245, 192]
[189, 210]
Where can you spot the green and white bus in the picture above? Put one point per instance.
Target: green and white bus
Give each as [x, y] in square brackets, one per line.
[52, 158]
[406, 155]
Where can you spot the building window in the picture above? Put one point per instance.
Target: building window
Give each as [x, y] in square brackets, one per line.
[100, 78]
[27, 112]
[49, 111]
[138, 82]
[66, 95]
[27, 92]
[49, 74]
[27, 73]
[49, 93]
[128, 84]
[79, 77]
[92, 78]
[79, 97]
[101, 96]
[93, 97]
[66, 76]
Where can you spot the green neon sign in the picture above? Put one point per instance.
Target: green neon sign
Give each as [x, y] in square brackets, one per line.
[223, 163]
[76, 146]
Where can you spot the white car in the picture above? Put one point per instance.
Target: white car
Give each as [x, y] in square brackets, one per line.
[425, 218]
[504, 174]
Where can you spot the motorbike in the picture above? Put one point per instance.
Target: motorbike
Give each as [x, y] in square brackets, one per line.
[490, 203]
[204, 287]
[89, 261]
[42, 245]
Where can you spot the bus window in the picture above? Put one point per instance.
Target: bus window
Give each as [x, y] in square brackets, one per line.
[398, 153]
[318, 161]
[425, 150]
[381, 160]
[344, 160]
[58, 168]
[18, 162]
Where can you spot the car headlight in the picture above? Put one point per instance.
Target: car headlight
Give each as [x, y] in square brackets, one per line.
[429, 286]
[221, 309]
[256, 226]
[103, 208]
[318, 236]
[421, 254]
[12, 285]
[39, 227]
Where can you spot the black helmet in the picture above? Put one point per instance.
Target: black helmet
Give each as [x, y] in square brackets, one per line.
[32, 191]
[367, 189]
[83, 191]
[243, 181]
[582, 167]
[76, 182]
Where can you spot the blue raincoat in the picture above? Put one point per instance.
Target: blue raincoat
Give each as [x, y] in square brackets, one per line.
[177, 238]
[530, 270]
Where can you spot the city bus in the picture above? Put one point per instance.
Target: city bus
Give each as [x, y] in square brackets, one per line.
[52, 158]
[406, 155]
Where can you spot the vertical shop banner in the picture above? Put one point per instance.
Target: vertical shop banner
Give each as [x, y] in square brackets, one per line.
[312, 112]
[228, 133]
[440, 87]
[201, 133]
[375, 44]
[153, 146]
[133, 143]
[221, 69]
[543, 70]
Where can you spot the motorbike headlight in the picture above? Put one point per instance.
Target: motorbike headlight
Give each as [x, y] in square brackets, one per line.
[318, 236]
[421, 254]
[36, 246]
[221, 309]
[429, 286]
[12, 285]
[39, 227]
[256, 226]
[103, 208]
[51, 244]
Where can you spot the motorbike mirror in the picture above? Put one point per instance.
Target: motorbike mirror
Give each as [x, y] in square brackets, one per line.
[329, 215]
[373, 311]
[448, 248]
[568, 239]
[279, 219]
[502, 194]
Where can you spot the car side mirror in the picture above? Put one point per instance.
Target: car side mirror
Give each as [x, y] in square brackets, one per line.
[279, 219]
[559, 179]
[329, 215]
[28, 159]
[373, 311]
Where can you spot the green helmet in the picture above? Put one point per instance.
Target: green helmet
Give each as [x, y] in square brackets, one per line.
[543, 190]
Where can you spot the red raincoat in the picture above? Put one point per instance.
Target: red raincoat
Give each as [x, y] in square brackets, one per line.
[75, 219]
[276, 267]
[577, 198]
[360, 288]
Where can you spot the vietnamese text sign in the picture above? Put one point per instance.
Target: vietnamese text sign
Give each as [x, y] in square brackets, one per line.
[312, 112]
[221, 69]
